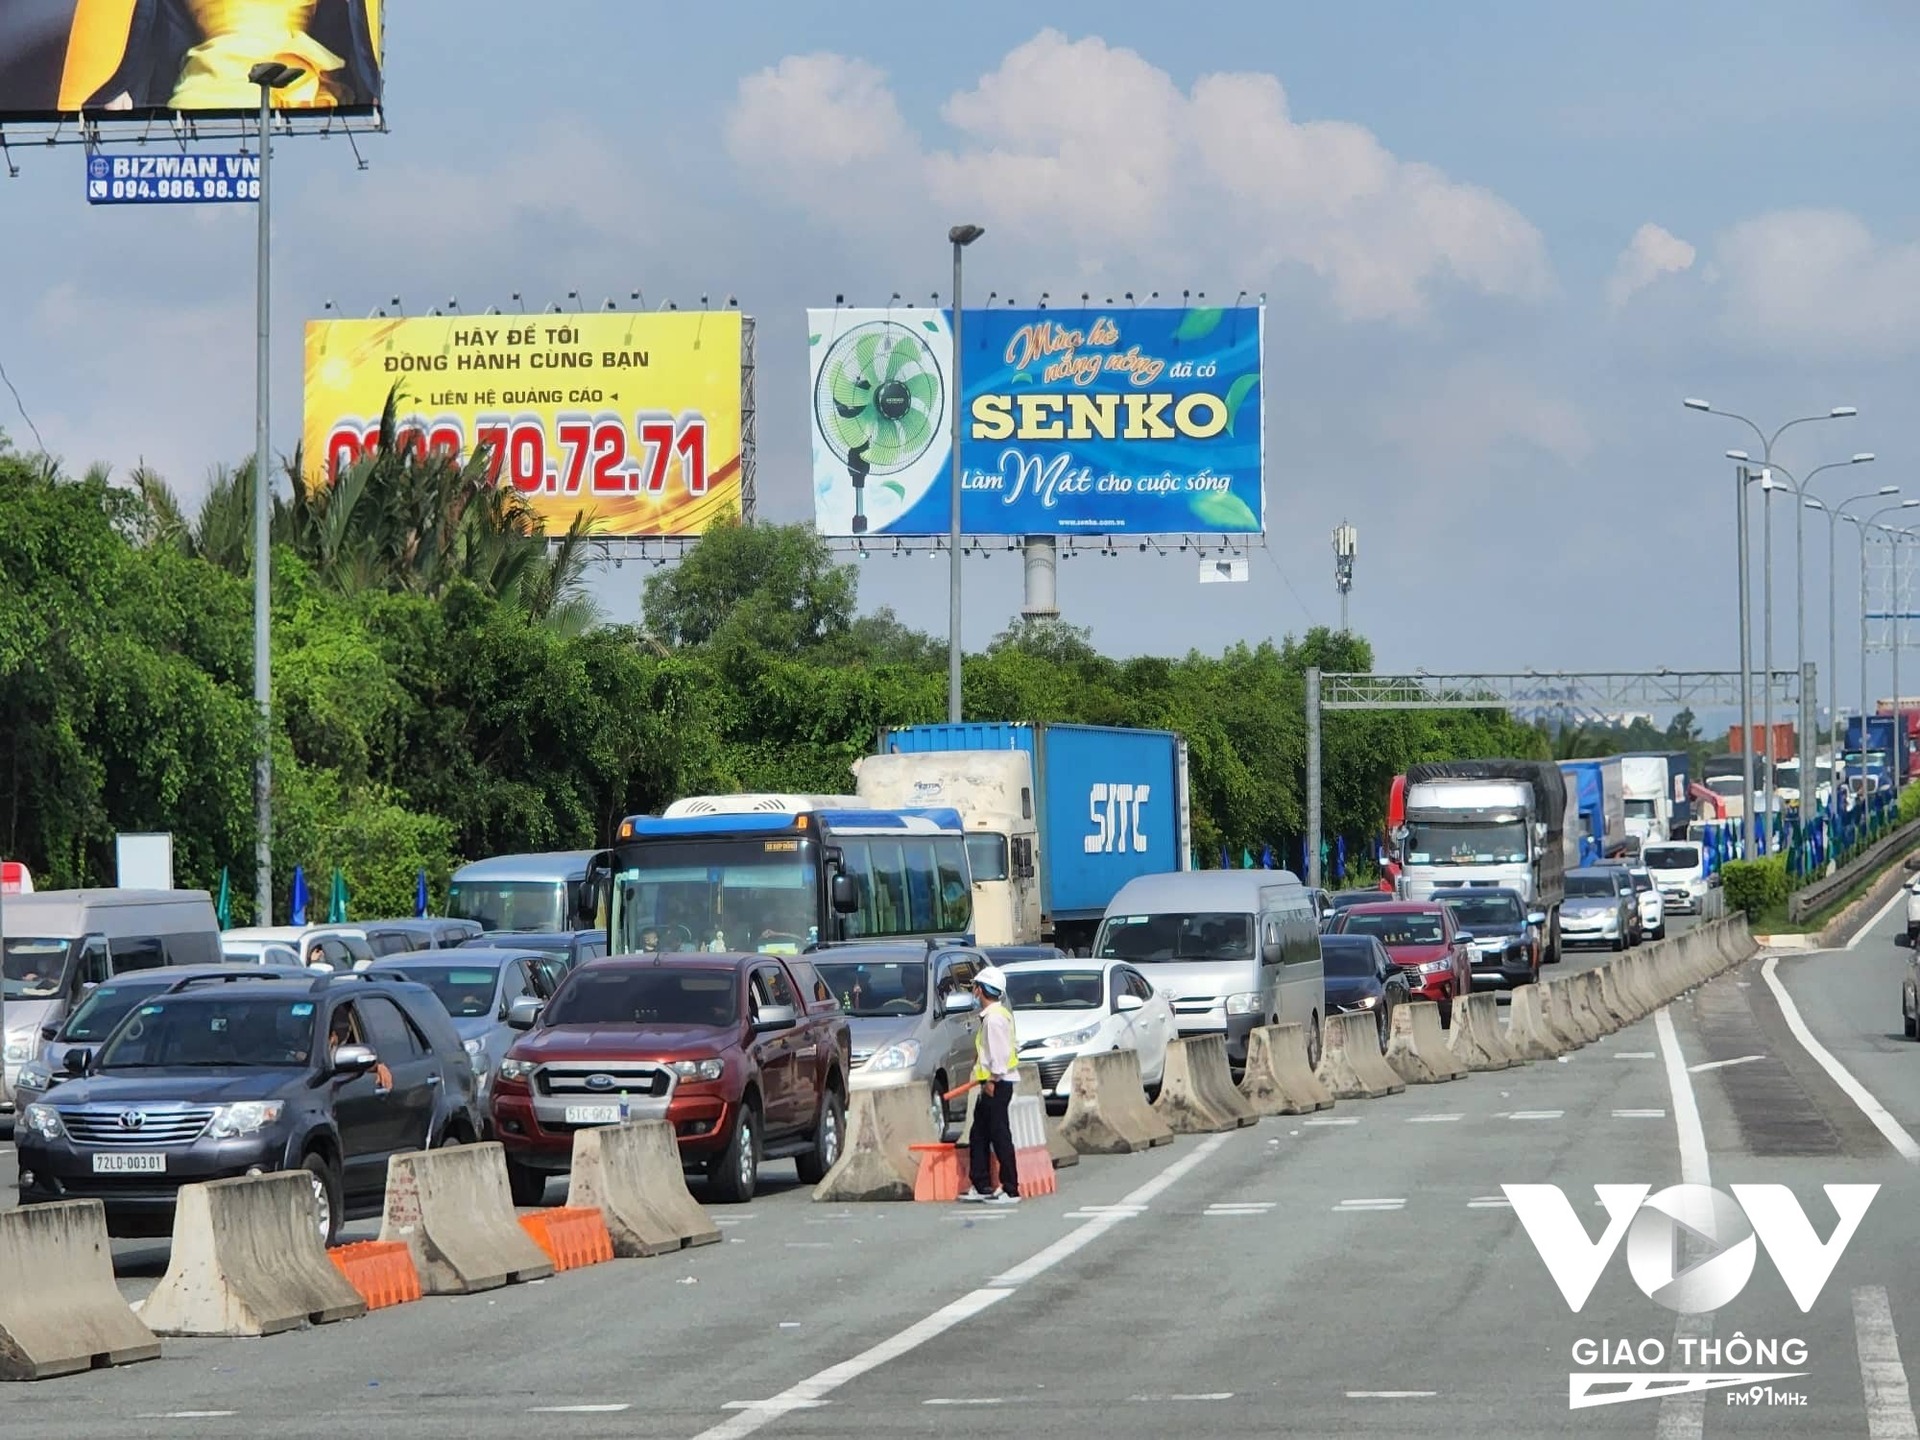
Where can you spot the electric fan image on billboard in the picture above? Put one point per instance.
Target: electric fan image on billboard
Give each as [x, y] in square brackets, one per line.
[878, 403]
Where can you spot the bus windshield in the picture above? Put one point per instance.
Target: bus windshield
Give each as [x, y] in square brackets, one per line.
[715, 894]
[510, 904]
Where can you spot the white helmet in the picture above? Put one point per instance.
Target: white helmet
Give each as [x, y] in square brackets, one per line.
[991, 980]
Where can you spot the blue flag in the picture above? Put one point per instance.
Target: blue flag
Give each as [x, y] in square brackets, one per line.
[1339, 857]
[299, 912]
[1225, 864]
[1266, 857]
[420, 894]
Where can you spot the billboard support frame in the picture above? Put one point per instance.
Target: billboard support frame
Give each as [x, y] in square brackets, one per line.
[749, 422]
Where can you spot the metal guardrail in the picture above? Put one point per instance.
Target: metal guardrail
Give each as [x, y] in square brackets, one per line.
[1811, 899]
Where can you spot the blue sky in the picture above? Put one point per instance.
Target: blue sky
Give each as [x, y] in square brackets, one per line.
[1500, 241]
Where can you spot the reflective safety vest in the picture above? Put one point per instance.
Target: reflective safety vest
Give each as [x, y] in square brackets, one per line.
[980, 1070]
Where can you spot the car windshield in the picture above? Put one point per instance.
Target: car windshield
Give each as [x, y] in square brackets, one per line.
[33, 969]
[877, 987]
[225, 1033]
[1056, 989]
[1671, 857]
[1144, 939]
[1352, 959]
[466, 990]
[105, 1008]
[1591, 885]
[1485, 911]
[1431, 842]
[1391, 928]
[659, 995]
[1641, 880]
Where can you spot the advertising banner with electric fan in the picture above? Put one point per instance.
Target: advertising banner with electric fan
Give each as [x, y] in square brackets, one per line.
[630, 419]
[1073, 422]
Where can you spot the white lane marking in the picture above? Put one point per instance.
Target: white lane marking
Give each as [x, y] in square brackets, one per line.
[784, 1404]
[578, 1409]
[1390, 1394]
[1639, 1114]
[1879, 915]
[196, 1415]
[1351, 1207]
[1342, 1120]
[1159, 1399]
[974, 1400]
[1889, 1404]
[1684, 1417]
[758, 1414]
[1895, 1132]
[1432, 1119]
[1635, 1055]
[1260, 1207]
[1706, 1065]
[1537, 1115]
[1489, 1202]
[1112, 1209]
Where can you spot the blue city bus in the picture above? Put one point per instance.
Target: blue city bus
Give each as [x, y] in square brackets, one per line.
[783, 874]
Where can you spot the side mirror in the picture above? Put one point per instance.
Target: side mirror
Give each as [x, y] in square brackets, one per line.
[960, 1002]
[1463, 937]
[1537, 918]
[1900, 939]
[775, 1017]
[846, 894]
[1128, 1001]
[354, 1060]
[77, 1061]
[523, 1013]
[47, 1032]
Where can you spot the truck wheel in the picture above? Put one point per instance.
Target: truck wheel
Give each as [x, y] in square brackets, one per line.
[736, 1170]
[526, 1185]
[828, 1134]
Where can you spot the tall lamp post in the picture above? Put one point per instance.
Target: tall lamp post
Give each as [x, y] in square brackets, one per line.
[1865, 526]
[1767, 442]
[1897, 612]
[269, 77]
[960, 236]
[1833, 513]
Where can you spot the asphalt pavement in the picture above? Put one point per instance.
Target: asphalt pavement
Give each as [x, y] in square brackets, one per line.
[1357, 1272]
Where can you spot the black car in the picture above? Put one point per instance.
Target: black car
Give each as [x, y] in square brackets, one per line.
[574, 947]
[331, 1076]
[1506, 933]
[1362, 976]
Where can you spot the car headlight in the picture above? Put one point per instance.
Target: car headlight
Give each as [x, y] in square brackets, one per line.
[1434, 967]
[901, 1055]
[511, 1069]
[34, 1075]
[477, 1055]
[703, 1069]
[1073, 1038]
[1367, 1002]
[44, 1121]
[245, 1117]
[1244, 1004]
[18, 1052]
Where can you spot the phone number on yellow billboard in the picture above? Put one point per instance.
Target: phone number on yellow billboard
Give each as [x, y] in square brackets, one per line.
[631, 420]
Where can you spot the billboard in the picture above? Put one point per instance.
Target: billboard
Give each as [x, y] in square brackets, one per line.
[134, 59]
[630, 419]
[1085, 422]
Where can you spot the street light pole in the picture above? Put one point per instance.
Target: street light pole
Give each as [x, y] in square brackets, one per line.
[269, 77]
[960, 236]
[1746, 671]
[1865, 527]
[1834, 514]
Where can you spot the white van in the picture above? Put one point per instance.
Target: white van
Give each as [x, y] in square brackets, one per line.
[58, 942]
[1234, 949]
[1679, 871]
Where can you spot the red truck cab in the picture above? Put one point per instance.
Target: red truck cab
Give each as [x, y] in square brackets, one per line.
[746, 1056]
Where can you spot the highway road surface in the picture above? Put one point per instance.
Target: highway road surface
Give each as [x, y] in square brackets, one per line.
[1358, 1272]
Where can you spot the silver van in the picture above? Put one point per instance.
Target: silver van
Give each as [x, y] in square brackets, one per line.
[55, 943]
[1234, 949]
[544, 892]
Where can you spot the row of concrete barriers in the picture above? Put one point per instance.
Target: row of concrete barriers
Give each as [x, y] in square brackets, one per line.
[248, 1258]
[890, 1135]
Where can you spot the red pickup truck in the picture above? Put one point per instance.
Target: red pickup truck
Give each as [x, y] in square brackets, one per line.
[746, 1055]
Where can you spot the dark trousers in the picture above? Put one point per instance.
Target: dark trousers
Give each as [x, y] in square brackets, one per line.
[992, 1138]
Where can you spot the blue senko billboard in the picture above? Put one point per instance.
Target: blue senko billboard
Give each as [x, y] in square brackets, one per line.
[1073, 422]
[1112, 802]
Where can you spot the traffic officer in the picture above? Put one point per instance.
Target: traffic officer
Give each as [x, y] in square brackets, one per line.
[996, 1071]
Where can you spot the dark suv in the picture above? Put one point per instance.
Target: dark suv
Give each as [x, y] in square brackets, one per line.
[208, 1084]
[746, 1055]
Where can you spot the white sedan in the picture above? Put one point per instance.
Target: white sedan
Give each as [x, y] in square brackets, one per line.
[1069, 1007]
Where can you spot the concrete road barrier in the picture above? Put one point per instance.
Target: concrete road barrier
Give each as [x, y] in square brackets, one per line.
[1476, 1041]
[1107, 1110]
[1557, 1007]
[248, 1259]
[1621, 1010]
[632, 1175]
[453, 1210]
[1586, 992]
[1058, 1146]
[1278, 1080]
[60, 1312]
[877, 1164]
[1196, 1089]
[1351, 1065]
[1417, 1047]
[1529, 1034]
[1637, 972]
[1579, 1009]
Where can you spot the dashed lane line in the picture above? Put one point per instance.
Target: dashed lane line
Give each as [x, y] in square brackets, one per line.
[1349, 1207]
[1334, 1120]
[1639, 1114]
[578, 1409]
[1706, 1065]
[1537, 1115]
[1391, 1394]
[1432, 1119]
[1489, 1202]
[1889, 1403]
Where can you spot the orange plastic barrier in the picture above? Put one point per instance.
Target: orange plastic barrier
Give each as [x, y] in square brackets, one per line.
[571, 1238]
[381, 1270]
[943, 1172]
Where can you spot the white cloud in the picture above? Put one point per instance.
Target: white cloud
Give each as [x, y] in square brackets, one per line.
[1819, 282]
[1474, 410]
[1652, 253]
[1080, 151]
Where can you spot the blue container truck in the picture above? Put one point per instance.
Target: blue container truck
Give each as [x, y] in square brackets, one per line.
[1885, 749]
[1058, 817]
[1603, 814]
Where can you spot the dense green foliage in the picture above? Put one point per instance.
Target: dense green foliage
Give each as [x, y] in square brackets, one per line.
[1755, 887]
[442, 691]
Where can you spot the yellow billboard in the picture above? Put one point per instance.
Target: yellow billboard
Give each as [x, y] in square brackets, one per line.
[132, 59]
[630, 419]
